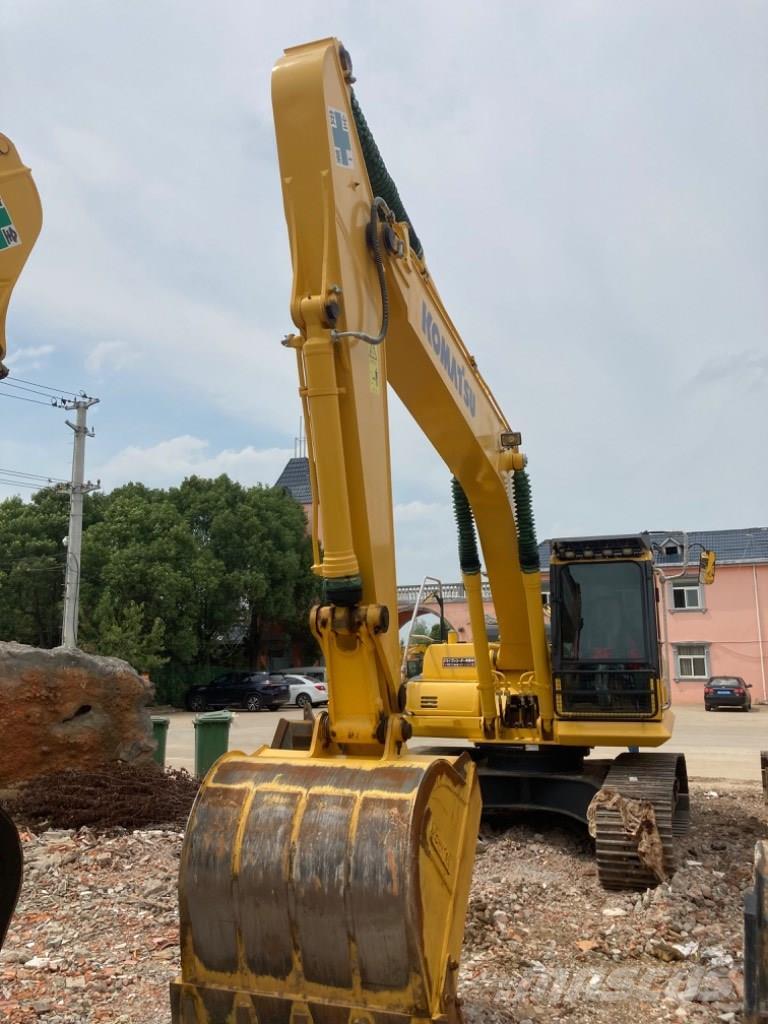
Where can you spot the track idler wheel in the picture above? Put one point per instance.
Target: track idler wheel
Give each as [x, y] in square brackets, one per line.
[318, 891]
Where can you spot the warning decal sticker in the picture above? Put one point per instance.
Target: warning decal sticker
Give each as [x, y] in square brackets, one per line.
[8, 234]
[342, 143]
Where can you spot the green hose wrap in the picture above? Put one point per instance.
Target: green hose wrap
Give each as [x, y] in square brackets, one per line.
[381, 181]
[526, 528]
[469, 559]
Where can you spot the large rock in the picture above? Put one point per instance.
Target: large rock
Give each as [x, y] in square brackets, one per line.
[67, 709]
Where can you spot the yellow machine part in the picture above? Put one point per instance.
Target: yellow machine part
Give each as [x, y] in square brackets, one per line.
[325, 891]
[21, 218]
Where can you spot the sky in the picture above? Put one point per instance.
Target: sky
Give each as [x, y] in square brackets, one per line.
[589, 180]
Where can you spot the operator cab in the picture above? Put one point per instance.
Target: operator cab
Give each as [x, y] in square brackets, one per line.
[605, 638]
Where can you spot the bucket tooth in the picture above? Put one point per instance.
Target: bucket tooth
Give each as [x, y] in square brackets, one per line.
[325, 892]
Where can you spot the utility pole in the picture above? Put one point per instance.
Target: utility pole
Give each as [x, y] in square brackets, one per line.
[77, 489]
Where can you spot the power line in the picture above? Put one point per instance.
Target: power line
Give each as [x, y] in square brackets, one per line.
[32, 568]
[59, 391]
[33, 391]
[32, 401]
[34, 476]
[20, 483]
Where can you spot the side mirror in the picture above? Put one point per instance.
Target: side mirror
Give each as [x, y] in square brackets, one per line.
[707, 567]
[749, 686]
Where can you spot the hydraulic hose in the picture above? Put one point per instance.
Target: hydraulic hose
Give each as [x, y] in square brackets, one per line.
[469, 560]
[526, 527]
[374, 241]
[382, 183]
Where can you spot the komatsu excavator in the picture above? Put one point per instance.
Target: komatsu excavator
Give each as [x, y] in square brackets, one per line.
[324, 879]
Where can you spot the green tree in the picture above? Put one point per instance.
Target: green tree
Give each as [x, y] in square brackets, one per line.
[140, 551]
[256, 538]
[204, 573]
[32, 567]
[124, 633]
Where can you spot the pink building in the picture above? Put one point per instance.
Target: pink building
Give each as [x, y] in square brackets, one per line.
[721, 629]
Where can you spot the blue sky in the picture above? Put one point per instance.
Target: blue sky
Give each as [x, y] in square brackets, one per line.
[589, 182]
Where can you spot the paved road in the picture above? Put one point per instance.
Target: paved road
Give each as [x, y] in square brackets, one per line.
[717, 745]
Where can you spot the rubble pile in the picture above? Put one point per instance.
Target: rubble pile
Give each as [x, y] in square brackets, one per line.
[95, 938]
[117, 795]
[544, 942]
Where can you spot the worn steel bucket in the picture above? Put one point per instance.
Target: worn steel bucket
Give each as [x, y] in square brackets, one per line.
[325, 891]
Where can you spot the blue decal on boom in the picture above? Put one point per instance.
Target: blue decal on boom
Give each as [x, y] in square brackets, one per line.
[342, 143]
[453, 369]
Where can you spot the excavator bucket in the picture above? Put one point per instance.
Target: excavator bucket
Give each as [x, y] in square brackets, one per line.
[20, 220]
[325, 891]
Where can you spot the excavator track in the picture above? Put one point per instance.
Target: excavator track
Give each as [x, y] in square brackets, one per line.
[663, 780]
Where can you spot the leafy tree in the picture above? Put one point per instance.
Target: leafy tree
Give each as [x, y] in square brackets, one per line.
[140, 551]
[123, 633]
[32, 567]
[256, 538]
[206, 572]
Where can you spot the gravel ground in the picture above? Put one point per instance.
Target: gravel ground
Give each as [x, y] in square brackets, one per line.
[95, 935]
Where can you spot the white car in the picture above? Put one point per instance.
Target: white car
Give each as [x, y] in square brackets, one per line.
[306, 692]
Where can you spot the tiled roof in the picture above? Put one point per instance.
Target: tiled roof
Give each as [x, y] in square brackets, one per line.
[295, 480]
[730, 546]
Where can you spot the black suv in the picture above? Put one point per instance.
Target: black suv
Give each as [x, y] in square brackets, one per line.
[250, 690]
[727, 692]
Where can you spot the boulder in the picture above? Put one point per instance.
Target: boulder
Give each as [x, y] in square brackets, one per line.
[63, 708]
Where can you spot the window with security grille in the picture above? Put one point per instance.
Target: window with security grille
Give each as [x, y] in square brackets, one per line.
[686, 596]
[692, 661]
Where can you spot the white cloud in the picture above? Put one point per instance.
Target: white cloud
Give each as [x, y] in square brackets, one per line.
[418, 512]
[166, 463]
[111, 356]
[28, 357]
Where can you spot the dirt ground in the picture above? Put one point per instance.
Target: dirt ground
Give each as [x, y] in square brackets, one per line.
[95, 935]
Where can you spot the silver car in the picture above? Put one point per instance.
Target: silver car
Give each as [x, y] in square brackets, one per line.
[306, 692]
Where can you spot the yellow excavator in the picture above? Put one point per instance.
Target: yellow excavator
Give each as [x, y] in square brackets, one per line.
[324, 879]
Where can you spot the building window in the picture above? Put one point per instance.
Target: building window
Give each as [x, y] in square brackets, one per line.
[686, 596]
[692, 661]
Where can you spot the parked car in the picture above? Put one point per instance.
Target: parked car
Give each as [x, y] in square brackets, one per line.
[727, 692]
[305, 691]
[313, 671]
[250, 690]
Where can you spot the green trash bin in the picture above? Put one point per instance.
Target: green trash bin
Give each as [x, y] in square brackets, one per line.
[159, 735]
[211, 739]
